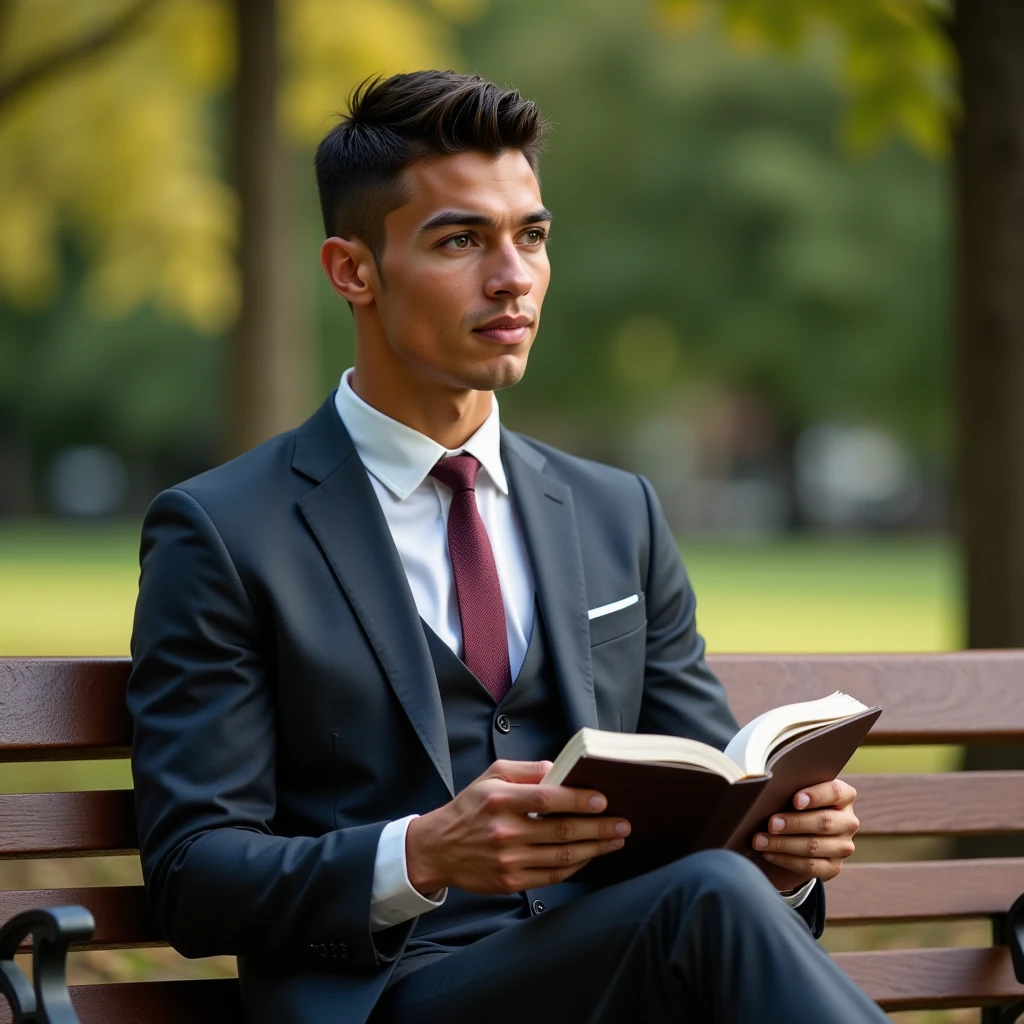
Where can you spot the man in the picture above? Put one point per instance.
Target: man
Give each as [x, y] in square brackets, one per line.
[357, 647]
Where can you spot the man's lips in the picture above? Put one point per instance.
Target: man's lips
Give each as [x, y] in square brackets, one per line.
[506, 330]
[504, 335]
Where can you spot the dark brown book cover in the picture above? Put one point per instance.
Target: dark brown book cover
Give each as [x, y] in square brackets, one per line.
[676, 809]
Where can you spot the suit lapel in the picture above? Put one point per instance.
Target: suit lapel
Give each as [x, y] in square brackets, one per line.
[345, 516]
[546, 513]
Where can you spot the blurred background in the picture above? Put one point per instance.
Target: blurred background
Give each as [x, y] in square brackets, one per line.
[786, 285]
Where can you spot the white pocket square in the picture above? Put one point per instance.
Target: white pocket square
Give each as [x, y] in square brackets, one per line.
[615, 606]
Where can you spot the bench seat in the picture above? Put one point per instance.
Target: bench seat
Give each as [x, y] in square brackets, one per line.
[59, 709]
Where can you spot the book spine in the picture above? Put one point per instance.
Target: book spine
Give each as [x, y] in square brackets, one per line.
[735, 805]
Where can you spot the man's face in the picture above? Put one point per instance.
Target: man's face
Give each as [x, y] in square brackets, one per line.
[465, 269]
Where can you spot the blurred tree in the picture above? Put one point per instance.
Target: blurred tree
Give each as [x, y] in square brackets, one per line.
[989, 148]
[899, 67]
[708, 225]
[108, 136]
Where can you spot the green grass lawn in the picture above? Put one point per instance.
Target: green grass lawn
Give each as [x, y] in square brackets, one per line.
[67, 590]
[70, 590]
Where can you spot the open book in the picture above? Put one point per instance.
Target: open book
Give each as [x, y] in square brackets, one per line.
[680, 795]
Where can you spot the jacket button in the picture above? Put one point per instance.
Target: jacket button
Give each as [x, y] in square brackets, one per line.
[503, 724]
[538, 906]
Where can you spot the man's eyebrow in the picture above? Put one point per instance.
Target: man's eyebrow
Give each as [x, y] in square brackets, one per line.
[461, 218]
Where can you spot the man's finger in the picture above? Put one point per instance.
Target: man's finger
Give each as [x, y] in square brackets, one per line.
[573, 830]
[805, 867]
[806, 846]
[556, 870]
[566, 855]
[827, 794]
[554, 800]
[829, 821]
[518, 771]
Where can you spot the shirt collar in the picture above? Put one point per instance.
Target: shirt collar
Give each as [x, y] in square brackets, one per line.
[400, 457]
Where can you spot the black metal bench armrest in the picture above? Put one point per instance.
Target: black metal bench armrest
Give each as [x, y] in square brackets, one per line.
[53, 929]
[1015, 936]
[1010, 930]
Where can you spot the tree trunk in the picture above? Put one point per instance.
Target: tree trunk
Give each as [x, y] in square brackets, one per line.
[989, 36]
[269, 360]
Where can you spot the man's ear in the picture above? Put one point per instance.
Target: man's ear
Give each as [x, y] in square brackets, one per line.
[350, 267]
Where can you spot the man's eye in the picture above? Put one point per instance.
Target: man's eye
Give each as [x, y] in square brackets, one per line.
[458, 242]
[535, 236]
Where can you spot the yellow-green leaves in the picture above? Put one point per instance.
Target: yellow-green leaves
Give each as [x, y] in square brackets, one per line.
[894, 58]
[120, 152]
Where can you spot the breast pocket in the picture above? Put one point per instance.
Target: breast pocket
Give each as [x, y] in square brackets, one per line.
[618, 649]
[608, 625]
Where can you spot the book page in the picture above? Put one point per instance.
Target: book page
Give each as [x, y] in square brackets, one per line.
[642, 748]
[751, 747]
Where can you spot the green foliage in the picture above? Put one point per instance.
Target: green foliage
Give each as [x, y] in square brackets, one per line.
[123, 152]
[896, 61]
[709, 224]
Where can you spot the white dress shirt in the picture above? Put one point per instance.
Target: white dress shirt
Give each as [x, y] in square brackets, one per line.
[398, 461]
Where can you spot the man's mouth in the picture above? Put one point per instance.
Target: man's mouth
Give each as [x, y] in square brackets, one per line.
[506, 330]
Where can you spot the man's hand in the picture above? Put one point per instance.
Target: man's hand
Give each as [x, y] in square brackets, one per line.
[484, 842]
[814, 843]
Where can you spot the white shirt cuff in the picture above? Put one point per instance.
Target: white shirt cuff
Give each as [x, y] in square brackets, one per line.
[796, 898]
[393, 900]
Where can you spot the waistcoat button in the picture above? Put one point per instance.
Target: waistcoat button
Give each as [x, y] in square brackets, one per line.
[538, 906]
[503, 723]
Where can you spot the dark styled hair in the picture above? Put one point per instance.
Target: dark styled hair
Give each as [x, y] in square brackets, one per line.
[391, 122]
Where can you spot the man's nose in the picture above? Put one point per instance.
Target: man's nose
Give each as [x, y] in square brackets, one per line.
[510, 275]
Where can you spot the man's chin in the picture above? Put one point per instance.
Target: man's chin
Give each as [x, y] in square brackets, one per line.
[495, 375]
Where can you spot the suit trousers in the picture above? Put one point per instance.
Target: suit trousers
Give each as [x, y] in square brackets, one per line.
[705, 939]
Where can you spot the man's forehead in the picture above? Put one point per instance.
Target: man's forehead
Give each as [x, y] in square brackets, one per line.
[501, 187]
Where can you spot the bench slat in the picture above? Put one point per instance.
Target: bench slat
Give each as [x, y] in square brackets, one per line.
[58, 708]
[911, 979]
[922, 890]
[961, 803]
[951, 803]
[120, 912]
[54, 708]
[67, 824]
[862, 894]
[209, 1001]
[963, 697]
[929, 979]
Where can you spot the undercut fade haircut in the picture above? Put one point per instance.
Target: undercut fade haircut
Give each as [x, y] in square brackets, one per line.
[392, 122]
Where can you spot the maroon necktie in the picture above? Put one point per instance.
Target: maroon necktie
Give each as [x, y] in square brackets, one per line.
[484, 640]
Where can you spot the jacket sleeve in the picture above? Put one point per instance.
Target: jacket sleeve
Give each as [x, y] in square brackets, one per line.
[682, 696]
[202, 699]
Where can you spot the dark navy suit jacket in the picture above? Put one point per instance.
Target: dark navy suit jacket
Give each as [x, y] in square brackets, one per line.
[286, 707]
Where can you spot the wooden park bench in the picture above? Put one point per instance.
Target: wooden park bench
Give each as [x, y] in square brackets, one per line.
[54, 709]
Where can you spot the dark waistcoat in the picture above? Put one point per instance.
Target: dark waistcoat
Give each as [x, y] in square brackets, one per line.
[528, 725]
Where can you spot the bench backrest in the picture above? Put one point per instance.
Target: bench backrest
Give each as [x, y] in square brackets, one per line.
[59, 709]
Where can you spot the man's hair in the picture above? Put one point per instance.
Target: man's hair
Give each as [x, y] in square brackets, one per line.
[392, 122]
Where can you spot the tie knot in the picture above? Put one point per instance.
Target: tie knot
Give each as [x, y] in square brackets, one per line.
[457, 472]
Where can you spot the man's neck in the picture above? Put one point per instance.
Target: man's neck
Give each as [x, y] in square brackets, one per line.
[447, 415]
